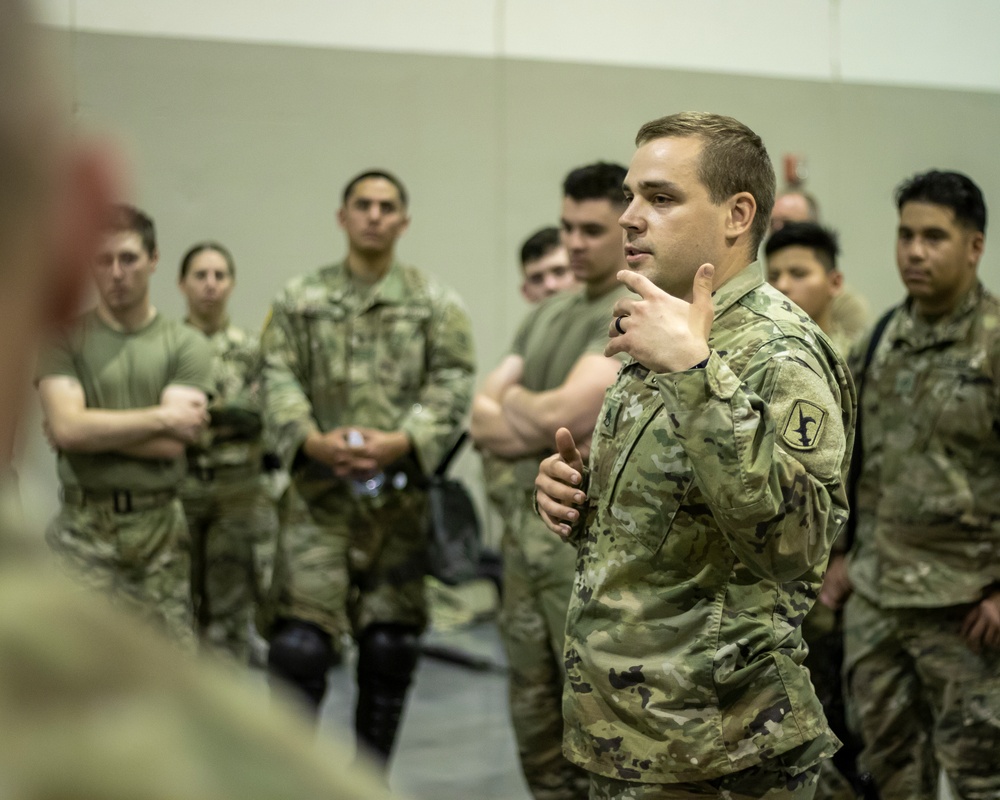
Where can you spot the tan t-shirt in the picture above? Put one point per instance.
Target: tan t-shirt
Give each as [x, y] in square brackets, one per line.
[552, 339]
[121, 371]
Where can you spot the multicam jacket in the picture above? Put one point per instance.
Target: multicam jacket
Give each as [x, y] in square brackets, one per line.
[715, 495]
[929, 492]
[397, 357]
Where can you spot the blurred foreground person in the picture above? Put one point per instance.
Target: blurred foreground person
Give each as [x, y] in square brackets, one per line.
[94, 704]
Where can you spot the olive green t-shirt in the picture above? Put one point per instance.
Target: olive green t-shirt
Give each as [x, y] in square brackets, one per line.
[553, 338]
[121, 371]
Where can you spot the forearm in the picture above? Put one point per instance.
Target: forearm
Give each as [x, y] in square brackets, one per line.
[527, 415]
[492, 432]
[101, 430]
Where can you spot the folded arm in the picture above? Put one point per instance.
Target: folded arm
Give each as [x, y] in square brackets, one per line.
[536, 416]
[160, 431]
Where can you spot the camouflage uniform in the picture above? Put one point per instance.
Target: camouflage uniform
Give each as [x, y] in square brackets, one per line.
[823, 631]
[537, 567]
[715, 495]
[121, 527]
[93, 705]
[228, 511]
[927, 548]
[395, 357]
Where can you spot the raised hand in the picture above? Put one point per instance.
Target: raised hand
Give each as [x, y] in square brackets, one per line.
[662, 332]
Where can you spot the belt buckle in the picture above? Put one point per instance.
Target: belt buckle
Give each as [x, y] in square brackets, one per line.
[117, 496]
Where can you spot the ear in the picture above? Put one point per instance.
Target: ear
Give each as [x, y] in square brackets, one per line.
[977, 242]
[742, 211]
[836, 278]
[524, 291]
[90, 187]
[342, 217]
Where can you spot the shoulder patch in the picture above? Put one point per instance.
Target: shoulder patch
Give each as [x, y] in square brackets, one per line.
[803, 426]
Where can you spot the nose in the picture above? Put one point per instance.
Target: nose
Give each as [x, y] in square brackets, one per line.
[781, 283]
[630, 219]
[572, 239]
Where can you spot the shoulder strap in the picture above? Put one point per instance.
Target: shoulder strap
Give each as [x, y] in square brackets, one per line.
[446, 461]
[854, 472]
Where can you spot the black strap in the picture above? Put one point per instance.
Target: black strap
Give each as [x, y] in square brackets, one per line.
[854, 473]
[442, 468]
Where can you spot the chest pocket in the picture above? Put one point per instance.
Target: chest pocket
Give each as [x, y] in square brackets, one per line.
[646, 480]
[401, 347]
[328, 330]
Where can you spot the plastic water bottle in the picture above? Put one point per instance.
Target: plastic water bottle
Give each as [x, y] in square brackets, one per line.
[372, 487]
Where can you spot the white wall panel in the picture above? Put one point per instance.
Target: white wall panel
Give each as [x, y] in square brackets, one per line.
[782, 38]
[927, 43]
[922, 43]
[458, 27]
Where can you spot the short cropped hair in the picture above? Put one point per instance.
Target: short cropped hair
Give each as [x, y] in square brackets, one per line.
[733, 160]
[377, 173]
[950, 189]
[599, 181]
[131, 219]
[540, 244]
[822, 241]
[201, 247]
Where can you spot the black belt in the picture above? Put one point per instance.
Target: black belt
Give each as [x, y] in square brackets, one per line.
[227, 472]
[121, 501]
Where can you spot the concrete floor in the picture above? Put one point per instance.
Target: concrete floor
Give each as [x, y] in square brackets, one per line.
[455, 741]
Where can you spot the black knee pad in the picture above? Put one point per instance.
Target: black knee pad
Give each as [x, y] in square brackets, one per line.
[300, 651]
[388, 652]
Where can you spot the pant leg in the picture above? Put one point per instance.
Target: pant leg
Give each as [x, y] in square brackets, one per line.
[313, 581]
[886, 699]
[538, 579]
[139, 559]
[240, 511]
[963, 690]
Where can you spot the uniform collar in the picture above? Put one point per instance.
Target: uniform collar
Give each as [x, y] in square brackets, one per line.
[738, 286]
[390, 289]
[952, 327]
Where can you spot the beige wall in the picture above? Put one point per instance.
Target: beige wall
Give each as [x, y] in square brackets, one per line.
[251, 144]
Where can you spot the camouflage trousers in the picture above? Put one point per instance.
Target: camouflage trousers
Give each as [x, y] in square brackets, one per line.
[791, 776]
[344, 562]
[924, 701]
[139, 559]
[226, 519]
[538, 570]
[823, 631]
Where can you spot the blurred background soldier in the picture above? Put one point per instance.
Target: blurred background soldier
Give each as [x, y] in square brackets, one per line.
[555, 374]
[124, 392]
[227, 509]
[368, 373]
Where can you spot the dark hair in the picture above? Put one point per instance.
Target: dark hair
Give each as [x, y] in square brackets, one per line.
[377, 173]
[129, 218]
[950, 189]
[200, 248]
[599, 181]
[822, 241]
[540, 244]
[733, 159]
